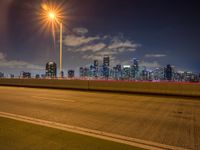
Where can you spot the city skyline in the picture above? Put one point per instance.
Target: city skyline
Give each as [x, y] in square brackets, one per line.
[141, 29]
[105, 70]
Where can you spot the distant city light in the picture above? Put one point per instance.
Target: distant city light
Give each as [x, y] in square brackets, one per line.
[131, 72]
[127, 66]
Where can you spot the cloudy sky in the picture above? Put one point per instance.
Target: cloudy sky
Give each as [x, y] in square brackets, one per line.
[157, 32]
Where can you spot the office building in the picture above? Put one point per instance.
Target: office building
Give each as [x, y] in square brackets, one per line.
[145, 74]
[62, 74]
[168, 73]
[71, 73]
[1, 75]
[84, 72]
[43, 76]
[81, 72]
[96, 68]
[106, 61]
[51, 70]
[37, 76]
[106, 64]
[133, 71]
[12, 76]
[135, 68]
[25, 75]
[126, 72]
[96, 63]
[158, 74]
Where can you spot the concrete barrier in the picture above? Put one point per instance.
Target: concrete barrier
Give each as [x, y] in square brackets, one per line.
[10, 82]
[46, 83]
[182, 89]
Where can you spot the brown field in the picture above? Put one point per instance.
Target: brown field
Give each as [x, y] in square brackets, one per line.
[169, 120]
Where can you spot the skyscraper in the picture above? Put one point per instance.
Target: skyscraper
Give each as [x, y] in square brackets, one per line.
[96, 68]
[12, 76]
[71, 74]
[1, 75]
[135, 68]
[126, 72]
[81, 72]
[51, 70]
[117, 72]
[158, 74]
[84, 72]
[145, 74]
[96, 63]
[25, 75]
[199, 77]
[106, 61]
[106, 64]
[168, 73]
[37, 76]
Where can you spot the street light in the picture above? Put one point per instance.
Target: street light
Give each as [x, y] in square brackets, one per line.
[53, 15]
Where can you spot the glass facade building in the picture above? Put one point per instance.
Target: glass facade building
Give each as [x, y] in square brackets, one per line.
[51, 70]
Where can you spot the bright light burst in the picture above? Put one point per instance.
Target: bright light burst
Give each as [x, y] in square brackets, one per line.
[52, 13]
[51, 16]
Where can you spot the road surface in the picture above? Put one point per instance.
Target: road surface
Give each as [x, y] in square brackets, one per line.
[173, 121]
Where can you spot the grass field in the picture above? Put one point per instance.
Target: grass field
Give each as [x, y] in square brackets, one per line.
[16, 135]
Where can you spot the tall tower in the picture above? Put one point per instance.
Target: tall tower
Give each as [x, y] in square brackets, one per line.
[106, 64]
[135, 68]
[168, 73]
[96, 68]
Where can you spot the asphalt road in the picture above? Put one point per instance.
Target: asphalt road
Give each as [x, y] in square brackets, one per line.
[172, 121]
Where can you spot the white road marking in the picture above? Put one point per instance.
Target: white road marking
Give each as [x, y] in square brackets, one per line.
[93, 133]
[53, 99]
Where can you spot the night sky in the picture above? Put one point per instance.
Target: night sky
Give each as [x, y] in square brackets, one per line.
[158, 32]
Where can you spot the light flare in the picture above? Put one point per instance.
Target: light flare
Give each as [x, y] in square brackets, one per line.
[44, 6]
[51, 13]
[51, 16]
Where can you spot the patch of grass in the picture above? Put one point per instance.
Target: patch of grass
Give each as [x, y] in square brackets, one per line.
[16, 135]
